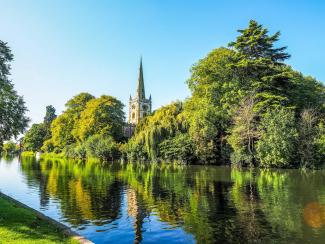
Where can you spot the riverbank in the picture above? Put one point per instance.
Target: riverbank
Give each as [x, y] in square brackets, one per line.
[20, 224]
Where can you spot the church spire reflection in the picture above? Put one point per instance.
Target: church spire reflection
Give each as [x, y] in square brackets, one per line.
[137, 211]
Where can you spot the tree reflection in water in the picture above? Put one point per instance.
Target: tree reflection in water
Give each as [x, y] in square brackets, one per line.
[214, 204]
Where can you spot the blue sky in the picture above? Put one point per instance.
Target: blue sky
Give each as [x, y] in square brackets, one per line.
[62, 47]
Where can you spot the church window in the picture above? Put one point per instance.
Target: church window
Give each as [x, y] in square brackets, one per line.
[133, 115]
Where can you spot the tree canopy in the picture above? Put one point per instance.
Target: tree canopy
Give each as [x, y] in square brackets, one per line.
[12, 106]
[246, 108]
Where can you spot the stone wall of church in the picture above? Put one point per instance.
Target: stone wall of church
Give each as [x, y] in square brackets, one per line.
[138, 110]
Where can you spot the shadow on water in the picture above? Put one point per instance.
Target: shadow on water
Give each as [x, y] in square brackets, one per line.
[182, 203]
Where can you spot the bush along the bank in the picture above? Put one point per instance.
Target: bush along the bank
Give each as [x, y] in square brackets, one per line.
[97, 146]
[10, 148]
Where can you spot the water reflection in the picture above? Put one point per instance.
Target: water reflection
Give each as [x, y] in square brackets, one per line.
[159, 203]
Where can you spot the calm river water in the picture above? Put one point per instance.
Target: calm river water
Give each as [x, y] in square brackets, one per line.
[125, 203]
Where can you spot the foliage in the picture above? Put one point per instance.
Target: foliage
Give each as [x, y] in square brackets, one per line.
[62, 127]
[260, 65]
[306, 93]
[247, 107]
[309, 133]
[251, 68]
[101, 116]
[96, 146]
[254, 43]
[49, 115]
[89, 127]
[244, 134]
[208, 111]
[278, 135]
[12, 106]
[320, 144]
[154, 129]
[178, 148]
[104, 148]
[34, 138]
[10, 148]
[48, 146]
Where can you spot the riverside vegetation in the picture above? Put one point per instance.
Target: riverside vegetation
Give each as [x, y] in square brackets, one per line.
[247, 108]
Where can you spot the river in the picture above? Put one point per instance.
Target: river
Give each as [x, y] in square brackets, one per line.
[163, 203]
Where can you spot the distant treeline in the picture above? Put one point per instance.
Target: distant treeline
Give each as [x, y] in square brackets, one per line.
[247, 108]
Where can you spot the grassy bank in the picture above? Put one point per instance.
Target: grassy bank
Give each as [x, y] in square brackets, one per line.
[20, 225]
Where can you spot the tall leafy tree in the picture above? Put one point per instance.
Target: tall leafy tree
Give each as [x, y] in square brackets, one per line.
[162, 125]
[309, 133]
[48, 119]
[62, 128]
[254, 43]
[215, 91]
[38, 133]
[102, 116]
[12, 106]
[49, 115]
[34, 138]
[278, 138]
[244, 134]
[77, 104]
[260, 65]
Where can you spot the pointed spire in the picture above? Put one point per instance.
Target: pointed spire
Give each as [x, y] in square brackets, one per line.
[140, 89]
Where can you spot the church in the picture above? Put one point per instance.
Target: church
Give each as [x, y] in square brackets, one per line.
[139, 106]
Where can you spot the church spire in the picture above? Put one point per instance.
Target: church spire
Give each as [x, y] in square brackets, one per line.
[140, 90]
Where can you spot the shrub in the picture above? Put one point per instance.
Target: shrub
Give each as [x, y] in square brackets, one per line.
[48, 146]
[177, 148]
[10, 148]
[104, 148]
[278, 132]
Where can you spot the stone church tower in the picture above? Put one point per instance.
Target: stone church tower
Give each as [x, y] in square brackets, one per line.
[139, 106]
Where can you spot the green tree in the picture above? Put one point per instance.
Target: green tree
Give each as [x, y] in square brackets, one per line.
[47, 121]
[179, 147]
[306, 92]
[254, 43]
[101, 116]
[260, 65]
[10, 148]
[164, 123]
[308, 134]
[102, 147]
[49, 115]
[320, 144]
[34, 138]
[62, 128]
[278, 138]
[78, 102]
[244, 134]
[215, 93]
[12, 106]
